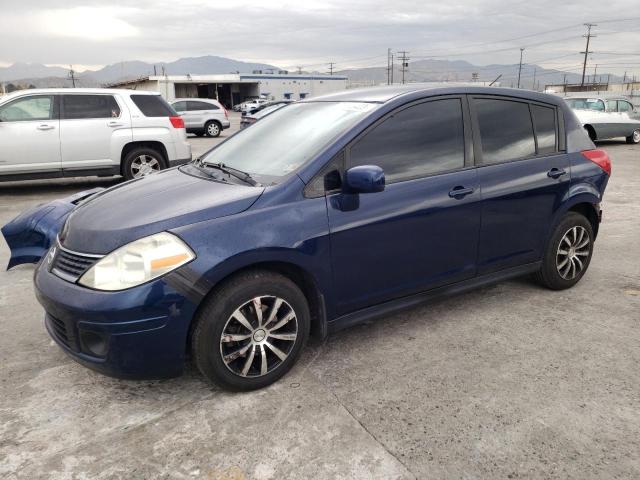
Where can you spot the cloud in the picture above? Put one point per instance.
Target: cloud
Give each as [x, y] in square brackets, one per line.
[312, 33]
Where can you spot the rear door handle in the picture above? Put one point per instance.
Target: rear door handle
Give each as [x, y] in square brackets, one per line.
[556, 172]
[460, 192]
[45, 127]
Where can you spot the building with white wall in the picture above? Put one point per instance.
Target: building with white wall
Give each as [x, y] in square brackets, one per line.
[234, 88]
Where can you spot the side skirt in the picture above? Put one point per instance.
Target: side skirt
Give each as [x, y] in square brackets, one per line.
[393, 306]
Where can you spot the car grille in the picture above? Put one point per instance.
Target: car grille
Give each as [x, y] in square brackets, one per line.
[70, 265]
[62, 332]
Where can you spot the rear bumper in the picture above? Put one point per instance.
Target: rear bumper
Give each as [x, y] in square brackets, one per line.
[136, 333]
[225, 124]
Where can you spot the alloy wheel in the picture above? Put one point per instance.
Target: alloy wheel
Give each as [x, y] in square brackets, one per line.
[573, 252]
[636, 136]
[258, 336]
[213, 129]
[144, 165]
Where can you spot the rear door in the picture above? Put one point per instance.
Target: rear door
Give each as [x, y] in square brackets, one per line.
[200, 112]
[93, 128]
[422, 230]
[30, 135]
[523, 174]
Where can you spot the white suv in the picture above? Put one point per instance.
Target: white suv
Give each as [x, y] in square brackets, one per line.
[202, 116]
[88, 131]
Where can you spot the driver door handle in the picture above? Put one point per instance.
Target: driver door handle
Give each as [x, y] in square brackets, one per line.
[115, 124]
[556, 172]
[45, 127]
[460, 192]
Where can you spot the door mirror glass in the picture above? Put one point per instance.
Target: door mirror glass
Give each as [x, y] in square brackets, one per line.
[364, 179]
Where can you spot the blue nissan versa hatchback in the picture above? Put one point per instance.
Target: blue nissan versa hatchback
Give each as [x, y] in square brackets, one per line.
[327, 212]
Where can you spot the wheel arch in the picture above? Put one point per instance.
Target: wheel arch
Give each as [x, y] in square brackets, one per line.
[294, 272]
[153, 144]
[586, 203]
[593, 135]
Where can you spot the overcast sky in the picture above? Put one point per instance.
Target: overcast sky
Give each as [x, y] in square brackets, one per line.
[312, 33]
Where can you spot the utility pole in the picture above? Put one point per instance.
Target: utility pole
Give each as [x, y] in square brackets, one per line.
[405, 63]
[586, 50]
[595, 70]
[72, 76]
[534, 79]
[299, 67]
[388, 66]
[520, 66]
[331, 64]
[392, 67]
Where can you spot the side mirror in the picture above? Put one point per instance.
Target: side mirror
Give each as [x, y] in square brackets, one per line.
[364, 179]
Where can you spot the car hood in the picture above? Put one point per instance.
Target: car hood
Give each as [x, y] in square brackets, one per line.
[150, 205]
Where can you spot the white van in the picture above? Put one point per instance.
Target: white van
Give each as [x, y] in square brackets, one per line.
[66, 132]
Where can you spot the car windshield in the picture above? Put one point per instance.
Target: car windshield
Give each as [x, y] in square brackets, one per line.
[586, 104]
[288, 138]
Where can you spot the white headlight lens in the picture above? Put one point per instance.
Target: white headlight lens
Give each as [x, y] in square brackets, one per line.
[138, 262]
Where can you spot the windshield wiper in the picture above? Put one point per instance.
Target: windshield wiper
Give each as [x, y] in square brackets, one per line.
[239, 174]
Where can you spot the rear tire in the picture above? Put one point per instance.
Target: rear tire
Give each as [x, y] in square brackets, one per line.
[634, 137]
[568, 253]
[213, 129]
[142, 161]
[250, 331]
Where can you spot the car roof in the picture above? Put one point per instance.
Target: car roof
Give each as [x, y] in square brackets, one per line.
[388, 93]
[213, 100]
[49, 91]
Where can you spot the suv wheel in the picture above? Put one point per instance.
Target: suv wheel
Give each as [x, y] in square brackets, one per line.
[212, 129]
[568, 253]
[250, 332]
[140, 162]
[634, 137]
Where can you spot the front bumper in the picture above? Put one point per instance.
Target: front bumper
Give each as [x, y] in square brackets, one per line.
[136, 333]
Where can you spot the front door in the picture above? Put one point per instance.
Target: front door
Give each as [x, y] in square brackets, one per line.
[523, 177]
[29, 135]
[422, 230]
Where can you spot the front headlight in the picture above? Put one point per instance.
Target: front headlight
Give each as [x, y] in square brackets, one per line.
[138, 262]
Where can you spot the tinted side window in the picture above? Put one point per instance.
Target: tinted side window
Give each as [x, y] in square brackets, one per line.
[611, 106]
[153, 106]
[37, 107]
[506, 132]
[180, 106]
[624, 106]
[89, 106]
[417, 141]
[544, 119]
[201, 106]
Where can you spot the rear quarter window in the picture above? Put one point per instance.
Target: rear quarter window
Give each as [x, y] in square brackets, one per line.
[153, 106]
[544, 119]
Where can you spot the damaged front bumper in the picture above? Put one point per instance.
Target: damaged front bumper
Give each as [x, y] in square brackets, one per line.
[32, 233]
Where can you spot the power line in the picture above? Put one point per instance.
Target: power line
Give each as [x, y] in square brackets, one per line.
[586, 51]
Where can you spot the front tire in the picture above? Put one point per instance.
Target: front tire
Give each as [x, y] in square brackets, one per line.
[250, 331]
[213, 129]
[568, 253]
[142, 161]
[634, 137]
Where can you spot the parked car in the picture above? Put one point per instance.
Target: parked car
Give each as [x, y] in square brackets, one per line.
[238, 106]
[202, 116]
[248, 119]
[253, 105]
[90, 131]
[607, 118]
[325, 213]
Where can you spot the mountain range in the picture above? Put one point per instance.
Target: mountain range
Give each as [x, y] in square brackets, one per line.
[418, 71]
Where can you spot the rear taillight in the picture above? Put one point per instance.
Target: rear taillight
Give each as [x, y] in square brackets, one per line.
[177, 122]
[600, 158]
[226, 113]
